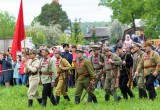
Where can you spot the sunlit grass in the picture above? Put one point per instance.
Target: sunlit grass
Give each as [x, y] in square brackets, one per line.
[15, 98]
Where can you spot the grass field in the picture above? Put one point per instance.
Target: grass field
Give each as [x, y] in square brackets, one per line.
[15, 98]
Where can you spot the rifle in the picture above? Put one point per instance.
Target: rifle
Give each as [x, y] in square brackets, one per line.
[130, 81]
[96, 82]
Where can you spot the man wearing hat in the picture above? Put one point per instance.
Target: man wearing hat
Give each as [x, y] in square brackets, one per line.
[62, 66]
[48, 76]
[140, 78]
[85, 77]
[112, 63]
[150, 63]
[97, 60]
[31, 69]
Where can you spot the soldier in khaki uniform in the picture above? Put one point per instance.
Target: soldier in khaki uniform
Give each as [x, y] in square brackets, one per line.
[85, 77]
[97, 60]
[48, 76]
[31, 69]
[136, 59]
[150, 62]
[62, 67]
[112, 63]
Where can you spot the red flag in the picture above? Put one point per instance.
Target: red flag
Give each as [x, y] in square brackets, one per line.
[19, 33]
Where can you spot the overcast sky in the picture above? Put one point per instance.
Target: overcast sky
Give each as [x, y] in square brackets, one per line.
[87, 10]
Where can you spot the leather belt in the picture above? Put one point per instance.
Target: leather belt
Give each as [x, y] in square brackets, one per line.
[152, 66]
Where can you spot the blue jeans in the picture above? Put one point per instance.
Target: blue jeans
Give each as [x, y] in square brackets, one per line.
[24, 79]
[17, 81]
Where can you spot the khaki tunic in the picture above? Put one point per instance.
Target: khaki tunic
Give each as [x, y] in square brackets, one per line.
[150, 63]
[33, 79]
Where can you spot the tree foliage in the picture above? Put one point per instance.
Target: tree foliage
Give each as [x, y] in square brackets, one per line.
[7, 25]
[146, 10]
[44, 34]
[53, 13]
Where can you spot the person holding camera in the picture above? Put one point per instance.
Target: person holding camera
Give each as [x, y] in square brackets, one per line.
[7, 71]
[31, 69]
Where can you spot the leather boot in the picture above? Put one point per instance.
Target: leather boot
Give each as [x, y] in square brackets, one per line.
[107, 97]
[67, 98]
[140, 93]
[30, 103]
[116, 98]
[94, 99]
[39, 101]
[89, 99]
[125, 96]
[144, 93]
[77, 99]
[53, 100]
[44, 102]
[57, 99]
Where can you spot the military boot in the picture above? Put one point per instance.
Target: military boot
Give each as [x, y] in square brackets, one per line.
[107, 97]
[44, 102]
[125, 96]
[67, 98]
[94, 99]
[77, 99]
[89, 99]
[57, 99]
[152, 94]
[116, 98]
[144, 93]
[140, 93]
[53, 100]
[39, 101]
[30, 103]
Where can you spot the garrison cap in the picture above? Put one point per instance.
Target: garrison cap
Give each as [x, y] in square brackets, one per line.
[79, 51]
[147, 44]
[137, 44]
[33, 52]
[107, 49]
[46, 49]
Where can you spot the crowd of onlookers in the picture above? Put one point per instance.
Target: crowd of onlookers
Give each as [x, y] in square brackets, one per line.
[12, 72]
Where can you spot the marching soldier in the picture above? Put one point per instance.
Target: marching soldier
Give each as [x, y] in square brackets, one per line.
[62, 66]
[97, 60]
[127, 63]
[136, 59]
[150, 62]
[85, 77]
[31, 69]
[112, 63]
[48, 76]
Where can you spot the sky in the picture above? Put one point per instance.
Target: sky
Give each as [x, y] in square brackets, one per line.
[86, 10]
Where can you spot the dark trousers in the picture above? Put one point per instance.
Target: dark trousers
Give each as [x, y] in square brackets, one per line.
[150, 86]
[47, 91]
[124, 88]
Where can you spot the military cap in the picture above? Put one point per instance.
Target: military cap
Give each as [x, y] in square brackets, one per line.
[107, 49]
[137, 44]
[132, 46]
[95, 47]
[147, 44]
[79, 51]
[65, 45]
[33, 52]
[46, 49]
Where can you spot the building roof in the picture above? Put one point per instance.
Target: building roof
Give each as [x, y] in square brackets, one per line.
[100, 32]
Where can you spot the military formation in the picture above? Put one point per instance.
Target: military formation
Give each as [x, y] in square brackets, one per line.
[102, 70]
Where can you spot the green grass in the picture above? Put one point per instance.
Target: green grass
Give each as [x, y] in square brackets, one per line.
[15, 98]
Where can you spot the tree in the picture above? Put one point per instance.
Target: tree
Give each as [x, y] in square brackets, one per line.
[125, 11]
[53, 32]
[116, 31]
[77, 36]
[37, 32]
[53, 13]
[7, 25]
[94, 38]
